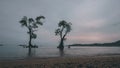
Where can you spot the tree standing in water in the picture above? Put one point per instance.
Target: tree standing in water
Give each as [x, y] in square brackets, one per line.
[31, 25]
[63, 29]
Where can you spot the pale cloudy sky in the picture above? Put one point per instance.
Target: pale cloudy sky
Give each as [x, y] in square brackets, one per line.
[94, 21]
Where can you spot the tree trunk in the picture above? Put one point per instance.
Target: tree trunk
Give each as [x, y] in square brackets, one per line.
[30, 44]
[61, 45]
[30, 38]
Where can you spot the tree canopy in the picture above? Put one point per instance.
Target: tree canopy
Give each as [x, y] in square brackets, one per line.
[63, 26]
[32, 25]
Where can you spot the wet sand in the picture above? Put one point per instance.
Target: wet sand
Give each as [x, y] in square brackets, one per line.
[65, 62]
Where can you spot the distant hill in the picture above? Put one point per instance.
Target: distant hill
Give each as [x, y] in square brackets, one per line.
[117, 43]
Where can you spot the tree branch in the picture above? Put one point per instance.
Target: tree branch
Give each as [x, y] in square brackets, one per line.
[64, 35]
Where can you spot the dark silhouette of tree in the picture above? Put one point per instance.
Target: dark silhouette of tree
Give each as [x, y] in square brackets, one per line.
[31, 25]
[63, 29]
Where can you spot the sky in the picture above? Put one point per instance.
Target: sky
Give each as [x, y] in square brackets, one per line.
[93, 21]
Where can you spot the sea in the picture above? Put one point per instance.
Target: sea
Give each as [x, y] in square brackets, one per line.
[10, 52]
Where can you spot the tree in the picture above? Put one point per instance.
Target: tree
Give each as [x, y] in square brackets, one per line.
[31, 25]
[63, 29]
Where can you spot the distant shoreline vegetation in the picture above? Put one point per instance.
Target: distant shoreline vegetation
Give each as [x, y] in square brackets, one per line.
[117, 43]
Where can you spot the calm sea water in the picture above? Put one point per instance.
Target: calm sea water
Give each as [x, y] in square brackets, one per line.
[17, 52]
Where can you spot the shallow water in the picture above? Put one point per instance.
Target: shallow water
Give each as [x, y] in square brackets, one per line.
[17, 52]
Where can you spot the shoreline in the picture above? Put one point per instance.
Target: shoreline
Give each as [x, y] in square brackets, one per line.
[65, 62]
[29, 58]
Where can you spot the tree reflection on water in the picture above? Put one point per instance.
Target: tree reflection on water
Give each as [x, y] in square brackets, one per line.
[61, 52]
[31, 52]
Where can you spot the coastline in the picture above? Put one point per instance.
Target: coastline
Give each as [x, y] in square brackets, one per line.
[112, 61]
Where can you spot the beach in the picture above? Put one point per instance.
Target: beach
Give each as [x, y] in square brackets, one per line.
[65, 62]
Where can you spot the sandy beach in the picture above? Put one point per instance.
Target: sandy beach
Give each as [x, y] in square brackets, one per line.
[65, 62]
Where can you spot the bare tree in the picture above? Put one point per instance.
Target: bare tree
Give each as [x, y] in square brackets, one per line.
[63, 29]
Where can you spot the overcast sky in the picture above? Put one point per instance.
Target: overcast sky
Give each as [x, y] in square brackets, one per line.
[93, 21]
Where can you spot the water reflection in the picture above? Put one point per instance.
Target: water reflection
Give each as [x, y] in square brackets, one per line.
[14, 52]
[31, 52]
[61, 52]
